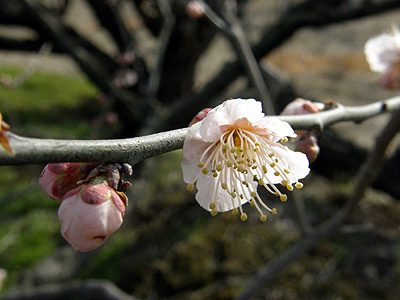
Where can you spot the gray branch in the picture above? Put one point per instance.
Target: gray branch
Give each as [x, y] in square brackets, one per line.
[134, 150]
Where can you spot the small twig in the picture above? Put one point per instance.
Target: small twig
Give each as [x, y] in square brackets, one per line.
[165, 35]
[134, 150]
[32, 67]
[301, 213]
[231, 28]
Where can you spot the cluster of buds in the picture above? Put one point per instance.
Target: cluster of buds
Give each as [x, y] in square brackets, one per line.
[92, 200]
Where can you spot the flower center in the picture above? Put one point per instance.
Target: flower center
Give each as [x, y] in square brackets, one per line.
[241, 160]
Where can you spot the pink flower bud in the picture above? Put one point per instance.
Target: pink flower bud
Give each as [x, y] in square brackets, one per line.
[90, 214]
[58, 179]
[200, 116]
[308, 144]
[301, 106]
[195, 9]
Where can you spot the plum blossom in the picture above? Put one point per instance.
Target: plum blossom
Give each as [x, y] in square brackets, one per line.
[91, 213]
[383, 55]
[233, 150]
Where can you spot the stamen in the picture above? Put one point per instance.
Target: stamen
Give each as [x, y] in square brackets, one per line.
[238, 161]
[298, 185]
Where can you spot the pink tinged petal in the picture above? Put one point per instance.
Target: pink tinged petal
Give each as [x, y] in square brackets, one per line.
[193, 148]
[87, 226]
[57, 179]
[382, 52]
[301, 106]
[200, 116]
[227, 114]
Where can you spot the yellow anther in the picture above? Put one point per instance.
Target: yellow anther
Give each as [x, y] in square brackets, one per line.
[201, 164]
[253, 194]
[224, 186]
[214, 212]
[298, 185]
[256, 144]
[215, 174]
[241, 196]
[286, 171]
[212, 205]
[276, 160]
[243, 217]
[264, 167]
[283, 197]
[289, 187]
[277, 173]
[255, 149]
[240, 168]
[252, 203]
[225, 147]
[274, 211]
[284, 182]
[261, 182]
[235, 211]
[233, 149]
[272, 154]
[205, 171]
[245, 183]
[219, 167]
[273, 164]
[190, 187]
[284, 140]
[229, 163]
[233, 194]
[254, 167]
[263, 218]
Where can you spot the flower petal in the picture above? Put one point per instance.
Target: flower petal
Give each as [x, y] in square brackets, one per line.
[193, 147]
[228, 113]
[382, 52]
[278, 128]
[208, 189]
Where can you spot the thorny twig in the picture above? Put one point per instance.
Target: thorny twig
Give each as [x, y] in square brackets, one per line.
[368, 172]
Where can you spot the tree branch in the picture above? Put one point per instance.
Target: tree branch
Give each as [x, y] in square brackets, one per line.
[134, 150]
[92, 289]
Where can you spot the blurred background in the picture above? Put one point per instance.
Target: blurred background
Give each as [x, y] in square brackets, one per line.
[111, 69]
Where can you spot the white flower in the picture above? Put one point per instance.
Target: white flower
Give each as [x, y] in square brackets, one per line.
[383, 51]
[233, 150]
